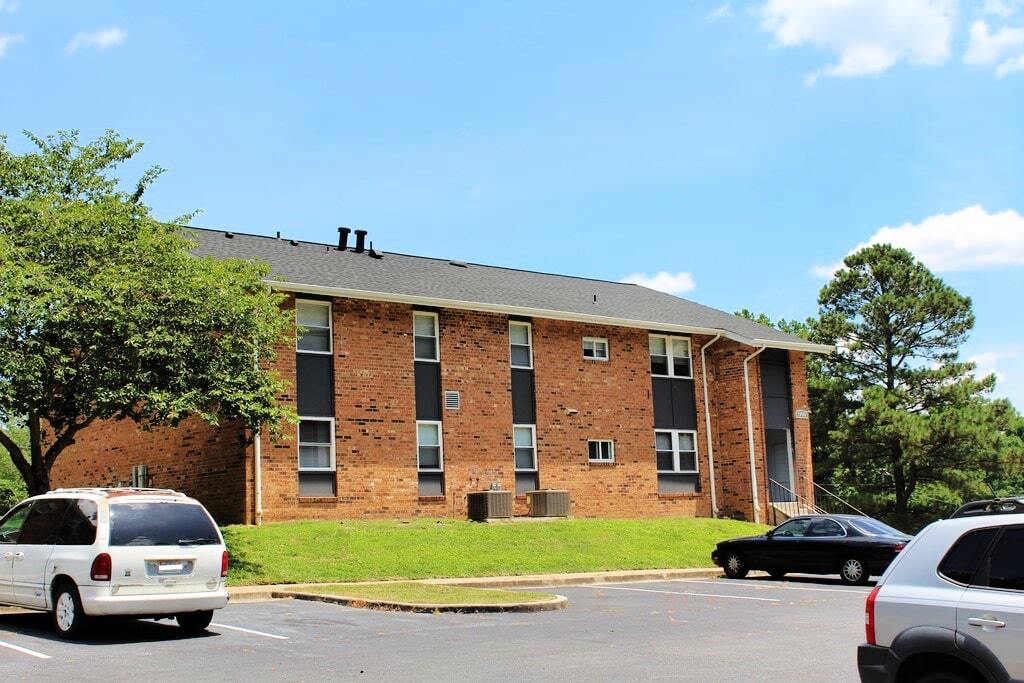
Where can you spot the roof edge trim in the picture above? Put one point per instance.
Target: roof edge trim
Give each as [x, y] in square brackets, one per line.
[551, 314]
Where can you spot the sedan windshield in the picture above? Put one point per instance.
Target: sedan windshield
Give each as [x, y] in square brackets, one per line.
[160, 524]
[872, 527]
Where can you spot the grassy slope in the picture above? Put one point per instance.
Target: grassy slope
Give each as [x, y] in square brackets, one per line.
[429, 594]
[298, 552]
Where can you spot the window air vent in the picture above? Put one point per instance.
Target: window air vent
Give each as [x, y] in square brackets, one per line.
[452, 400]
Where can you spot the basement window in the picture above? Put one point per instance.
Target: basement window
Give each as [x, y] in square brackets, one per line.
[315, 319]
[601, 450]
[429, 458]
[317, 465]
[670, 356]
[524, 444]
[595, 348]
[676, 456]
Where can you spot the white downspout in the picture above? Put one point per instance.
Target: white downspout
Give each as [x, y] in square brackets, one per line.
[750, 436]
[257, 458]
[707, 424]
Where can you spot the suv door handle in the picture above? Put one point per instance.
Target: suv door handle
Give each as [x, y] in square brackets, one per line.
[19, 556]
[987, 623]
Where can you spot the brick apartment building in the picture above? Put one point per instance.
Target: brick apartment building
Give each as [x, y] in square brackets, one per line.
[418, 380]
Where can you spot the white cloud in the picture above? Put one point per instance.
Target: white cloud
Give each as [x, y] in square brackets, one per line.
[969, 239]
[6, 40]
[9, 6]
[1000, 8]
[99, 40]
[989, 363]
[678, 283]
[868, 36]
[1005, 46]
[723, 11]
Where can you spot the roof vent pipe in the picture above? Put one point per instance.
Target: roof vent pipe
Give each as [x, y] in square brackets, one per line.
[360, 241]
[343, 238]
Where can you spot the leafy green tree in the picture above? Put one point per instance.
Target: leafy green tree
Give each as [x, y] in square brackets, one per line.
[105, 314]
[909, 417]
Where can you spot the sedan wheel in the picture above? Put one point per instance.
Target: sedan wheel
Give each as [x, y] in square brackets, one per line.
[853, 571]
[735, 567]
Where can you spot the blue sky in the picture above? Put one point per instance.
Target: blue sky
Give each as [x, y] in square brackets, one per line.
[739, 149]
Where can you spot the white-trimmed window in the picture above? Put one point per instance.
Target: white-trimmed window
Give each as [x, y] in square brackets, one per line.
[524, 440]
[670, 356]
[520, 341]
[595, 348]
[424, 328]
[315, 319]
[676, 451]
[429, 446]
[316, 456]
[601, 450]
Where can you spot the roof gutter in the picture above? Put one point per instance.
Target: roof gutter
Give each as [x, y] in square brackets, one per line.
[707, 423]
[755, 498]
[417, 300]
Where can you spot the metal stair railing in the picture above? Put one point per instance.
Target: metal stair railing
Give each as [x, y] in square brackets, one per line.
[829, 502]
[784, 503]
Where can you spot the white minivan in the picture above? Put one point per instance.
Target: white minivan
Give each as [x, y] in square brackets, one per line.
[79, 553]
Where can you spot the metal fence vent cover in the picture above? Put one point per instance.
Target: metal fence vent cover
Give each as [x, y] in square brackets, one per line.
[452, 400]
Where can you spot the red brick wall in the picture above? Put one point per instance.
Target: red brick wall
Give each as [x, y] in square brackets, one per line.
[801, 427]
[375, 434]
[203, 461]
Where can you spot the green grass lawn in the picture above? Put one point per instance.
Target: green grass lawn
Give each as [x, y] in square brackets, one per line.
[426, 593]
[309, 552]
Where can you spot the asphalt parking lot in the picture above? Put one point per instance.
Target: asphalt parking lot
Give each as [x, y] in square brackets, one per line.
[713, 630]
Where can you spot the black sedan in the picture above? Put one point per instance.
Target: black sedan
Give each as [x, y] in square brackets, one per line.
[852, 546]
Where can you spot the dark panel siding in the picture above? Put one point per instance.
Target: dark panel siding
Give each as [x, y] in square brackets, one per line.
[314, 380]
[524, 410]
[775, 389]
[428, 391]
[675, 406]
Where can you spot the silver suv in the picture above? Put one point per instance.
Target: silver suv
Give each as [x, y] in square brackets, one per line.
[951, 606]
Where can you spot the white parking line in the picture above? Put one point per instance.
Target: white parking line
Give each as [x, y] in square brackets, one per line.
[764, 585]
[23, 650]
[249, 630]
[694, 593]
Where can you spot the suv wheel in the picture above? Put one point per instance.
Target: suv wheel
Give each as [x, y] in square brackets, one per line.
[68, 616]
[853, 571]
[735, 566]
[195, 622]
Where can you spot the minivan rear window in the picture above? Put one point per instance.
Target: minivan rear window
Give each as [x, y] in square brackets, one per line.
[160, 524]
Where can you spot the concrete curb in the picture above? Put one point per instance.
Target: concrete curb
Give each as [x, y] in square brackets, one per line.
[558, 602]
[284, 591]
[581, 578]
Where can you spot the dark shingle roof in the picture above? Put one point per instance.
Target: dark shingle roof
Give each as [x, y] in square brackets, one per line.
[311, 267]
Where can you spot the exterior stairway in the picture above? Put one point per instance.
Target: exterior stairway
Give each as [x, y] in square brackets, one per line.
[784, 503]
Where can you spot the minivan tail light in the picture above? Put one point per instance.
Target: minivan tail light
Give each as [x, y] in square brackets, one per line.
[224, 564]
[101, 568]
[869, 616]
[898, 547]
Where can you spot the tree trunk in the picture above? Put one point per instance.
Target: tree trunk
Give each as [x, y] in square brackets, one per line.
[38, 479]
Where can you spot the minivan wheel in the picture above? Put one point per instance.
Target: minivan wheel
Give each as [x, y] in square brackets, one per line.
[68, 616]
[735, 566]
[853, 571]
[195, 622]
